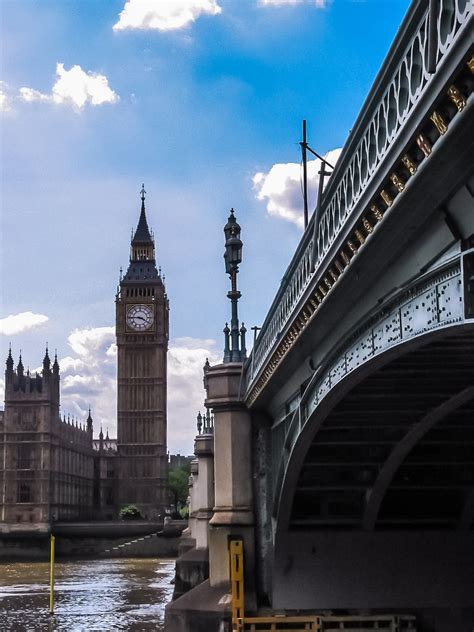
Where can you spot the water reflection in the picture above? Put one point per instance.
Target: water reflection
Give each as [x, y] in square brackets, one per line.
[119, 594]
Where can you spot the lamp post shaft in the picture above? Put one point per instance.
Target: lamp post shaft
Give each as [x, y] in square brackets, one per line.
[234, 296]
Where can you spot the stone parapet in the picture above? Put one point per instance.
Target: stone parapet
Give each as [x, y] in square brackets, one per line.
[204, 445]
[224, 387]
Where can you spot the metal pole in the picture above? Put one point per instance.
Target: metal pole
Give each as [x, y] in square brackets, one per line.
[320, 157]
[51, 576]
[305, 176]
[432, 36]
[317, 212]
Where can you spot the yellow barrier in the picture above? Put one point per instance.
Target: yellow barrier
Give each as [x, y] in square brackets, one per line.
[236, 553]
[308, 623]
[282, 623]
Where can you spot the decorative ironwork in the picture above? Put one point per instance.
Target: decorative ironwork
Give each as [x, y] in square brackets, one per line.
[376, 212]
[409, 164]
[400, 186]
[424, 144]
[433, 302]
[401, 91]
[386, 197]
[439, 122]
[345, 257]
[457, 98]
[352, 248]
[205, 423]
[367, 225]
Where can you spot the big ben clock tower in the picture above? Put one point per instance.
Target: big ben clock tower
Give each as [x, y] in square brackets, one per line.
[142, 343]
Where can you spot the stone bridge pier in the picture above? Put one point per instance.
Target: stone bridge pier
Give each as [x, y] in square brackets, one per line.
[233, 513]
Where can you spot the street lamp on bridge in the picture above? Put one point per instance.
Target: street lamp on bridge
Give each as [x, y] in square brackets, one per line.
[234, 338]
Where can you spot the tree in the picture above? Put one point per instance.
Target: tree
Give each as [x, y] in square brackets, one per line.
[178, 481]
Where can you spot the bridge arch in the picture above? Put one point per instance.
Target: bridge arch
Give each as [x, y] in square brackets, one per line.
[450, 346]
[403, 449]
[366, 495]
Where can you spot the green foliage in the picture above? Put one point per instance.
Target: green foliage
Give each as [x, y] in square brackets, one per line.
[184, 512]
[178, 480]
[130, 512]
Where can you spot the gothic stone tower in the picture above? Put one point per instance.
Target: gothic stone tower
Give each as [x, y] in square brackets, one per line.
[31, 414]
[142, 341]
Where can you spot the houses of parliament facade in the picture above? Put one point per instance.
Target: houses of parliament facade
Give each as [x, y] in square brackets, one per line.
[51, 467]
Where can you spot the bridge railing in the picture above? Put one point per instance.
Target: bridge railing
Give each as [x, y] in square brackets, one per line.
[398, 88]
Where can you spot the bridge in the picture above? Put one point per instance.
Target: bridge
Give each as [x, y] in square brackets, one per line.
[343, 447]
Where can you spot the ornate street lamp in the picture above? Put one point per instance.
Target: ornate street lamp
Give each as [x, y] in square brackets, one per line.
[234, 349]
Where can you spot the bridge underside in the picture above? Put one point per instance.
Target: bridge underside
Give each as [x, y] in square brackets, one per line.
[406, 435]
[382, 507]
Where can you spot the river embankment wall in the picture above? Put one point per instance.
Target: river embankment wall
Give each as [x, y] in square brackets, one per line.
[81, 540]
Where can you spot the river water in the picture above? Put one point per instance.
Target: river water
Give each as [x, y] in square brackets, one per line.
[105, 595]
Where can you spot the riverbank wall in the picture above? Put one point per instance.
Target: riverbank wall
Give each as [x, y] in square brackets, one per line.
[82, 540]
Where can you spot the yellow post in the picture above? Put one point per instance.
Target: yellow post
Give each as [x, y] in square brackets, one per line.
[236, 552]
[51, 576]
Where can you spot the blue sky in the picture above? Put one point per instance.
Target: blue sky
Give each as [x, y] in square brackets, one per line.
[202, 100]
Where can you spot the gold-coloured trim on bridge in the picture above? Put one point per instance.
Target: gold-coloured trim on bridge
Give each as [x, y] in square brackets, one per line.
[434, 126]
[457, 98]
[440, 123]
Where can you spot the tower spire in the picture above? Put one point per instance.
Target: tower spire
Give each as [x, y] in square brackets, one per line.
[143, 246]
[19, 368]
[46, 361]
[9, 359]
[55, 364]
[89, 421]
[142, 234]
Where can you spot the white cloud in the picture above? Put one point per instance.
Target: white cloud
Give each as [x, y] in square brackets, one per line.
[88, 378]
[320, 4]
[163, 15]
[74, 87]
[87, 343]
[28, 94]
[5, 105]
[186, 393]
[16, 323]
[281, 187]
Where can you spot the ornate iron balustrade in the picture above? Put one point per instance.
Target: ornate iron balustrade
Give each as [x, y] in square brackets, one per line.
[398, 90]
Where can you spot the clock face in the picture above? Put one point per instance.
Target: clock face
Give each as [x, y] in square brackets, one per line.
[140, 317]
